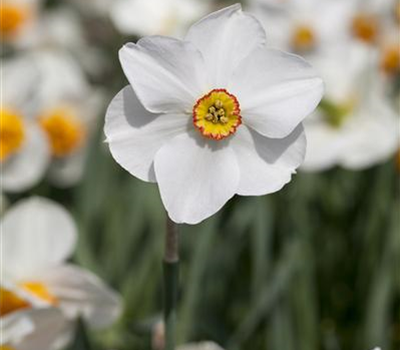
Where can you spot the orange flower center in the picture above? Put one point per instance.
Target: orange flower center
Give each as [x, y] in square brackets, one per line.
[12, 133]
[6, 347]
[12, 18]
[365, 27]
[390, 60]
[217, 114]
[303, 38]
[64, 130]
[10, 302]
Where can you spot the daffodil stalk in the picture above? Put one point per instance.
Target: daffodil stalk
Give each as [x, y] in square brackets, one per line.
[171, 271]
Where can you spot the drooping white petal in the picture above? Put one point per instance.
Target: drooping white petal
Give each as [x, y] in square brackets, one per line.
[81, 293]
[167, 74]
[34, 329]
[225, 38]
[276, 91]
[27, 167]
[266, 165]
[196, 177]
[36, 233]
[135, 135]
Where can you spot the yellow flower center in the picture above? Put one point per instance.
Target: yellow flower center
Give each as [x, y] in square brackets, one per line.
[12, 133]
[12, 18]
[64, 130]
[365, 27]
[40, 291]
[303, 38]
[6, 347]
[390, 60]
[217, 114]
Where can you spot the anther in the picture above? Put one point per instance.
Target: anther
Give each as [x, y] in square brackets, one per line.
[218, 104]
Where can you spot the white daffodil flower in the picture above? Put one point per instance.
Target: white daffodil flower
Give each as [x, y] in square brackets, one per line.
[18, 19]
[66, 111]
[32, 329]
[150, 17]
[216, 114]
[38, 236]
[207, 345]
[305, 26]
[355, 126]
[24, 150]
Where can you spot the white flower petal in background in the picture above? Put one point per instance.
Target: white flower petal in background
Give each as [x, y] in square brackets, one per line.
[206, 345]
[82, 294]
[204, 89]
[33, 329]
[152, 17]
[38, 236]
[27, 167]
[359, 127]
[39, 223]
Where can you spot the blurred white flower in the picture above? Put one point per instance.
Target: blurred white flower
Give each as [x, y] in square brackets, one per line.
[355, 126]
[211, 116]
[305, 26]
[66, 110]
[18, 18]
[38, 236]
[24, 150]
[150, 17]
[32, 329]
[200, 346]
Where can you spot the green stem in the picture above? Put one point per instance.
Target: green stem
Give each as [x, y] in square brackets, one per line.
[171, 271]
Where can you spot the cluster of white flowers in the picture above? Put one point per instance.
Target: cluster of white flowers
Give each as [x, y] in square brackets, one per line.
[354, 45]
[41, 293]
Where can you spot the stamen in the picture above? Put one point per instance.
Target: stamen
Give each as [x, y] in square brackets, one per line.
[217, 114]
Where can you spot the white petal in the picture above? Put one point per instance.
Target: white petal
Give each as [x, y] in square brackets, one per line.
[34, 329]
[196, 177]
[325, 144]
[135, 135]
[373, 137]
[167, 74]
[36, 233]
[81, 293]
[225, 38]
[68, 171]
[276, 91]
[27, 167]
[266, 165]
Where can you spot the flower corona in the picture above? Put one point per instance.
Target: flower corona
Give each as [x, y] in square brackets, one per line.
[217, 114]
